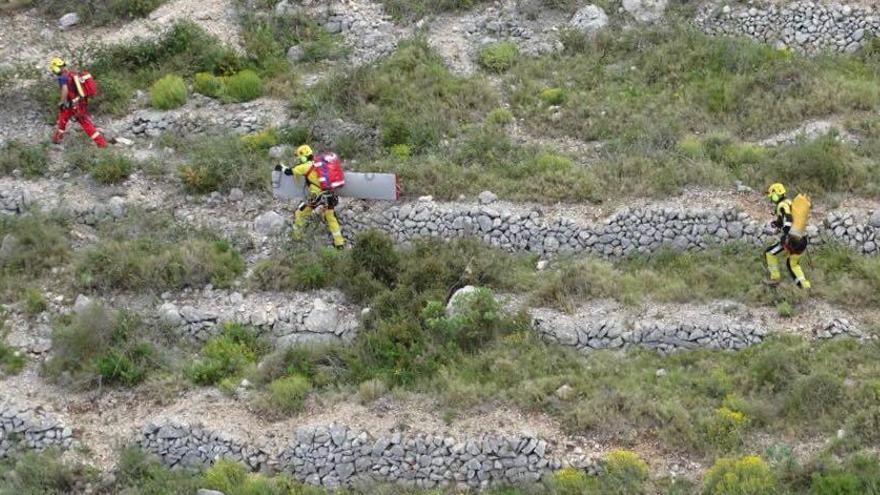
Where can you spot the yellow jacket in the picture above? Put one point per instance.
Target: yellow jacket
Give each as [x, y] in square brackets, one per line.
[313, 178]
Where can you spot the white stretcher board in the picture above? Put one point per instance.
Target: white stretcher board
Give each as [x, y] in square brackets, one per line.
[358, 185]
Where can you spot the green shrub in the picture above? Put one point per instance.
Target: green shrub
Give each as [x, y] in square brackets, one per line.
[144, 474]
[102, 13]
[226, 355]
[34, 302]
[410, 10]
[374, 253]
[475, 322]
[724, 430]
[572, 481]
[553, 96]
[101, 347]
[11, 361]
[208, 85]
[31, 160]
[220, 163]
[288, 394]
[370, 390]
[500, 116]
[308, 270]
[858, 475]
[814, 396]
[244, 86]
[110, 168]
[498, 57]
[625, 473]
[401, 151]
[146, 263]
[748, 475]
[262, 140]
[410, 97]
[168, 92]
[34, 243]
[42, 473]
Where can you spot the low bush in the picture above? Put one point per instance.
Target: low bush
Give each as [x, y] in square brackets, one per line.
[370, 390]
[745, 476]
[110, 168]
[500, 116]
[815, 395]
[410, 10]
[220, 163]
[32, 245]
[101, 347]
[725, 429]
[11, 361]
[243, 86]
[410, 97]
[208, 84]
[858, 475]
[498, 57]
[625, 473]
[42, 473]
[572, 481]
[34, 302]
[226, 355]
[98, 13]
[30, 160]
[168, 92]
[147, 263]
[262, 140]
[287, 395]
[553, 96]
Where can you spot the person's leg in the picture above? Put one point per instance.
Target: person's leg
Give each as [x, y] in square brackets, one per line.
[299, 219]
[797, 273]
[334, 228]
[61, 125]
[773, 261]
[86, 122]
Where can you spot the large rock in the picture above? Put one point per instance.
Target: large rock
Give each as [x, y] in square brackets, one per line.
[68, 20]
[324, 318]
[645, 10]
[269, 223]
[589, 19]
[8, 247]
[874, 221]
[81, 304]
[295, 53]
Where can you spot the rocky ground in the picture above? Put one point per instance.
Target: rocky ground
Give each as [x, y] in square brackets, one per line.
[180, 421]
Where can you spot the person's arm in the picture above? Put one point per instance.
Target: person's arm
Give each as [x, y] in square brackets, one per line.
[64, 94]
[302, 169]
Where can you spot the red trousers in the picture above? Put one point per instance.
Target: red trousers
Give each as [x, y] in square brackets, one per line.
[79, 111]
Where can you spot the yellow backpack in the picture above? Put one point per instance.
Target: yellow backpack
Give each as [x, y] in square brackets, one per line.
[800, 215]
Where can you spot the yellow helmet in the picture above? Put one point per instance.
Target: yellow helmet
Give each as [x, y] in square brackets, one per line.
[303, 151]
[775, 192]
[56, 64]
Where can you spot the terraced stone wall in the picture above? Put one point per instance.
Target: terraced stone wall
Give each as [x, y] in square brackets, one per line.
[335, 455]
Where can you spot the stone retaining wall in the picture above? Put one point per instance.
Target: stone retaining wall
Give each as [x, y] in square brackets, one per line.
[629, 231]
[30, 428]
[287, 319]
[587, 332]
[334, 455]
[202, 114]
[805, 26]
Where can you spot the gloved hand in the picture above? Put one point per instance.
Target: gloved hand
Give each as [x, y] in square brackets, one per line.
[63, 106]
[279, 167]
[288, 171]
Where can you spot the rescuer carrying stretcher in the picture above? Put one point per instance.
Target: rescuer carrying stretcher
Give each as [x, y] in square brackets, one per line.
[791, 220]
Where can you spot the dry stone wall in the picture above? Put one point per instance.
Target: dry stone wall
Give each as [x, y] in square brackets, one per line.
[286, 318]
[335, 455]
[804, 25]
[30, 428]
[630, 231]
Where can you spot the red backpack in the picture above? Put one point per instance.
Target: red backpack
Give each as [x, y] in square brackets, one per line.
[329, 168]
[85, 84]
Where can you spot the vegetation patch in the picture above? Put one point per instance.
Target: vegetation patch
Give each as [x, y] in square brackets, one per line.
[220, 163]
[30, 160]
[11, 361]
[225, 356]
[410, 97]
[156, 253]
[168, 92]
[101, 347]
[498, 57]
[32, 245]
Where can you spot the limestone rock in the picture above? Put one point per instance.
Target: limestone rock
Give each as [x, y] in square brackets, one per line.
[589, 19]
[645, 10]
[269, 223]
[68, 20]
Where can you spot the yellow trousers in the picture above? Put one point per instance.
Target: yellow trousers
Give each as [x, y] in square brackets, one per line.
[302, 213]
[793, 263]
